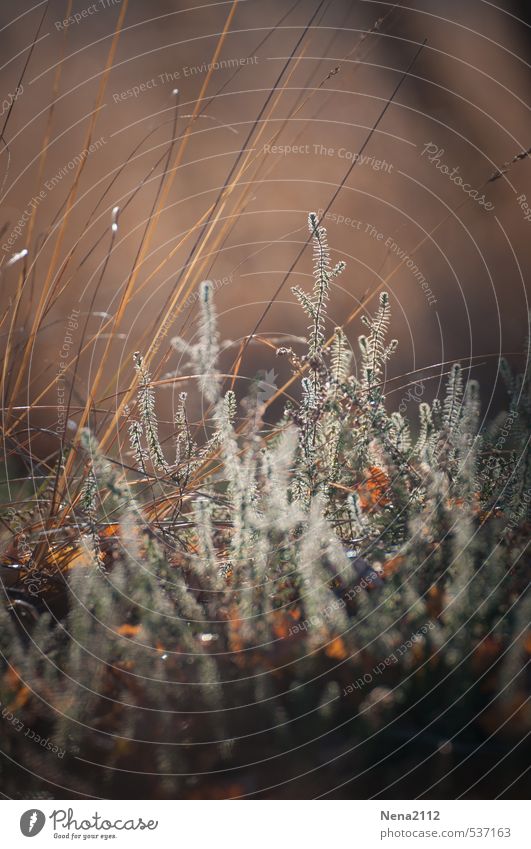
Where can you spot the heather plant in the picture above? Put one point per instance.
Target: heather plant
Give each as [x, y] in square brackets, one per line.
[224, 601]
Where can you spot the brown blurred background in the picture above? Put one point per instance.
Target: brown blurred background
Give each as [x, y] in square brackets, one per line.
[466, 96]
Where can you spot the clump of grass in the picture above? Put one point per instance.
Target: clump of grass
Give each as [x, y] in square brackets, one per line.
[271, 585]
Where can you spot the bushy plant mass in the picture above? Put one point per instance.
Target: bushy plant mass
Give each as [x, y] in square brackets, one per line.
[331, 604]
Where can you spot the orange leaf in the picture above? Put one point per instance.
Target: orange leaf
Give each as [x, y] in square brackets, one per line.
[373, 491]
[12, 677]
[110, 531]
[128, 630]
[15, 682]
[21, 698]
[281, 624]
[434, 601]
[336, 649]
[235, 639]
[393, 565]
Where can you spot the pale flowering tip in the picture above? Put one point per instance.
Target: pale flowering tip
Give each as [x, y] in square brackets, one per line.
[115, 213]
[17, 257]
